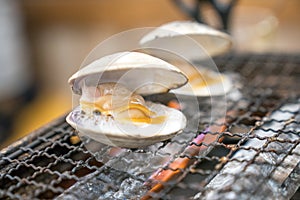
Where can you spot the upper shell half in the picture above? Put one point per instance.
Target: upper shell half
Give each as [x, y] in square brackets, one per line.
[178, 36]
[139, 72]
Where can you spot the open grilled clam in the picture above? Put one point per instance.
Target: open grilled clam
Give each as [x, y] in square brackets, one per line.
[180, 37]
[112, 110]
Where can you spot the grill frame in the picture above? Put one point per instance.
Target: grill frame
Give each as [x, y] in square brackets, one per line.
[46, 164]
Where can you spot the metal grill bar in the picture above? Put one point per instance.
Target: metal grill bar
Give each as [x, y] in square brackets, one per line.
[255, 155]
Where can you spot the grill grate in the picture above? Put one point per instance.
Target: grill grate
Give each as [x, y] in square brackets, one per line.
[253, 153]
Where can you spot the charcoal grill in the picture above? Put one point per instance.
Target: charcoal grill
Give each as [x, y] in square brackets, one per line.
[253, 153]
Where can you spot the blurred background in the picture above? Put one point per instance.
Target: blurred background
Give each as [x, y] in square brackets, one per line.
[44, 42]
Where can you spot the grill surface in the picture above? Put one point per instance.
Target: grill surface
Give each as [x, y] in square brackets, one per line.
[256, 155]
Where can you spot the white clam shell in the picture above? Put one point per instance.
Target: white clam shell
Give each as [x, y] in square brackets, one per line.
[128, 135]
[174, 36]
[192, 41]
[139, 72]
[216, 89]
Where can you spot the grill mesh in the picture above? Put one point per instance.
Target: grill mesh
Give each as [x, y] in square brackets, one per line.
[256, 155]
